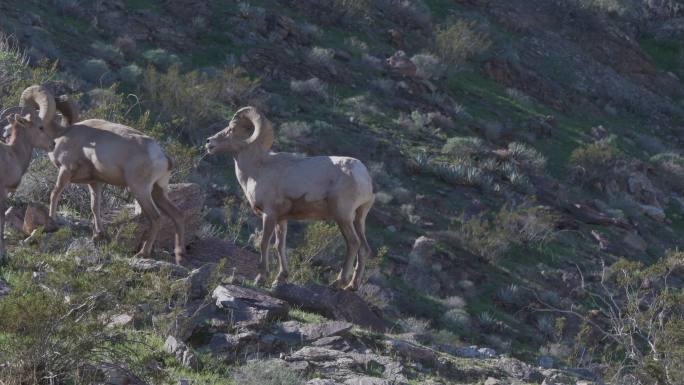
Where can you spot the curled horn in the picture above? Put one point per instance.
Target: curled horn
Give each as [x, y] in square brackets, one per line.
[41, 99]
[68, 108]
[263, 130]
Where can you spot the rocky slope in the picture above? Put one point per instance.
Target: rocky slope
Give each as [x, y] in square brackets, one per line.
[517, 147]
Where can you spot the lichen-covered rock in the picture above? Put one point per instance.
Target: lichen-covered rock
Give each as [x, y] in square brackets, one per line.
[249, 307]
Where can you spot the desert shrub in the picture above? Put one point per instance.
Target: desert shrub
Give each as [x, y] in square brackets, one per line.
[310, 87]
[414, 325]
[13, 62]
[634, 327]
[493, 237]
[160, 58]
[321, 245]
[131, 74]
[107, 52]
[511, 296]
[464, 146]
[266, 373]
[595, 161]
[294, 131]
[96, 71]
[456, 319]
[428, 66]
[322, 57]
[456, 43]
[526, 156]
[191, 101]
[670, 167]
[126, 45]
[488, 322]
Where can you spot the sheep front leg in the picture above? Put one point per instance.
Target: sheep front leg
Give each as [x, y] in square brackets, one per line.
[63, 180]
[3, 207]
[281, 235]
[269, 224]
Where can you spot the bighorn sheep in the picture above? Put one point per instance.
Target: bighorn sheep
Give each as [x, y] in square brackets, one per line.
[95, 152]
[26, 133]
[282, 186]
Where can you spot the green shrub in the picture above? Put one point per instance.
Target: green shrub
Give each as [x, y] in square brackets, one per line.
[107, 52]
[96, 71]
[322, 243]
[267, 373]
[456, 43]
[160, 58]
[464, 146]
[595, 161]
[428, 66]
[131, 74]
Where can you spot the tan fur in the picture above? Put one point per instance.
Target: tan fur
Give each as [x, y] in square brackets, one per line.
[97, 152]
[283, 186]
[27, 133]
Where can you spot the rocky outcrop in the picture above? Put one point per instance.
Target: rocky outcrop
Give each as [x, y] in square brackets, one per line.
[335, 304]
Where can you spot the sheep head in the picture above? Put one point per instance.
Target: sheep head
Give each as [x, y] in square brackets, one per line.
[26, 119]
[247, 129]
[41, 99]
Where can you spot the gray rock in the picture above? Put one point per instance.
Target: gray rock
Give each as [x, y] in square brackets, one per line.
[322, 381]
[183, 353]
[367, 381]
[310, 332]
[423, 250]
[653, 212]
[144, 265]
[5, 288]
[199, 281]
[412, 352]
[335, 304]
[473, 352]
[120, 320]
[519, 370]
[546, 362]
[635, 241]
[492, 381]
[249, 307]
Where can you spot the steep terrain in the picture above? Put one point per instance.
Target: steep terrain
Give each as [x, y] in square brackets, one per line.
[526, 156]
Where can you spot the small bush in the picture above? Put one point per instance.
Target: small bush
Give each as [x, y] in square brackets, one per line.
[294, 131]
[464, 146]
[456, 319]
[107, 52]
[96, 71]
[310, 87]
[266, 373]
[131, 74]
[13, 62]
[595, 161]
[414, 325]
[428, 66]
[322, 57]
[321, 244]
[457, 43]
[160, 58]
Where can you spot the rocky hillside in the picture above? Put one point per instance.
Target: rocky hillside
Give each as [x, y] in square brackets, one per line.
[528, 167]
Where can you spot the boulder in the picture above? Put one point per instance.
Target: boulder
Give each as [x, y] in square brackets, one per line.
[634, 241]
[412, 352]
[249, 307]
[653, 212]
[182, 352]
[301, 332]
[335, 304]
[199, 281]
[189, 199]
[5, 288]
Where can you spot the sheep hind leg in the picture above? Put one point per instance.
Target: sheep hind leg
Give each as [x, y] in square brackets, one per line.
[95, 203]
[365, 249]
[344, 277]
[3, 207]
[269, 224]
[281, 235]
[63, 180]
[168, 208]
[144, 198]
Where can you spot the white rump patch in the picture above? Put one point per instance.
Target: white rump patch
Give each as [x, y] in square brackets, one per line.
[157, 155]
[6, 131]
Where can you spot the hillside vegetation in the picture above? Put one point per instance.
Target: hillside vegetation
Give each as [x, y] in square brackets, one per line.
[528, 168]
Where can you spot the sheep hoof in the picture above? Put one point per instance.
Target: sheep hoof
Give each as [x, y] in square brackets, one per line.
[260, 279]
[337, 284]
[180, 258]
[351, 287]
[280, 278]
[100, 238]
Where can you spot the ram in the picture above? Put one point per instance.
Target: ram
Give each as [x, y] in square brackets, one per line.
[26, 133]
[283, 186]
[97, 152]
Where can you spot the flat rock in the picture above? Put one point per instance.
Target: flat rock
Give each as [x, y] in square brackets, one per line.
[411, 351]
[335, 304]
[365, 380]
[302, 332]
[5, 288]
[144, 265]
[249, 307]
